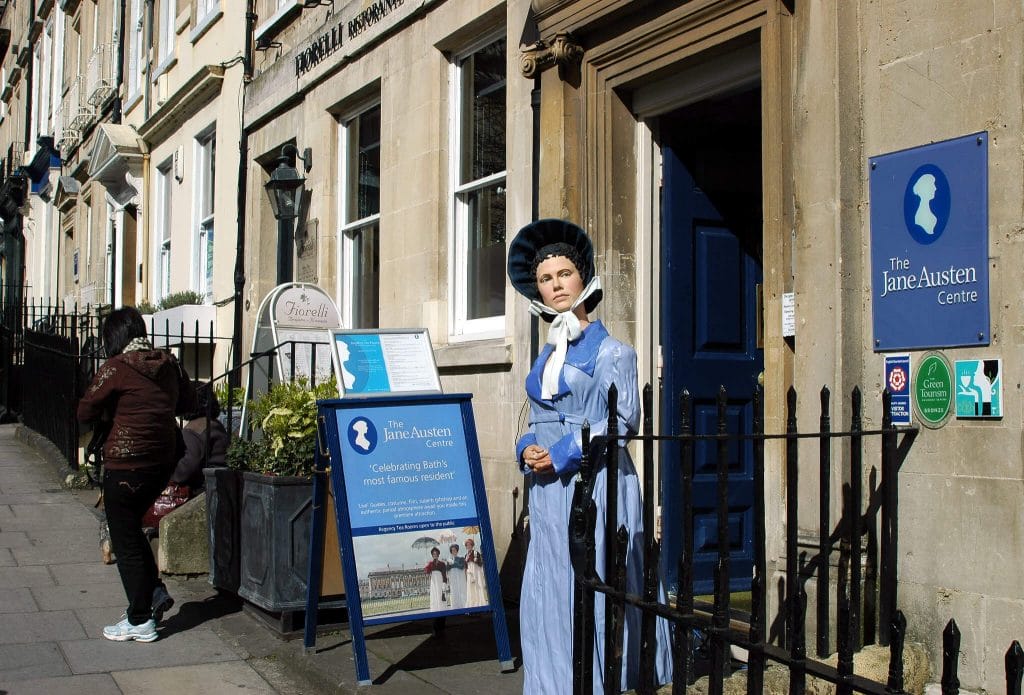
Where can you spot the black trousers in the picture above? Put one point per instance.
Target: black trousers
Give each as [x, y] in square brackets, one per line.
[126, 497]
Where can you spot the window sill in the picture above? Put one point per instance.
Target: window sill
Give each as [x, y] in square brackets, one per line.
[277, 21]
[132, 101]
[494, 352]
[204, 25]
[168, 63]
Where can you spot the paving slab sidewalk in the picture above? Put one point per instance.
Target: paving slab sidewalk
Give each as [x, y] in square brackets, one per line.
[56, 596]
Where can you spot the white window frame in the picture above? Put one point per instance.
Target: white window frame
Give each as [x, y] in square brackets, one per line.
[134, 28]
[205, 8]
[162, 237]
[46, 88]
[168, 15]
[88, 237]
[349, 247]
[37, 93]
[462, 328]
[95, 30]
[108, 250]
[204, 178]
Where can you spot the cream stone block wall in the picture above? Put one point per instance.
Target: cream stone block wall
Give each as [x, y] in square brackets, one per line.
[876, 77]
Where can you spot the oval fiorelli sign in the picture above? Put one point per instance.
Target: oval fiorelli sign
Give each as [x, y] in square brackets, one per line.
[305, 307]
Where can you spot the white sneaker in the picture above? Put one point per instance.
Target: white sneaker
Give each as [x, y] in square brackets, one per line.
[124, 631]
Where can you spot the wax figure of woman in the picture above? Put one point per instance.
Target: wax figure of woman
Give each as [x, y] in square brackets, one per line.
[141, 389]
[476, 580]
[551, 262]
[438, 572]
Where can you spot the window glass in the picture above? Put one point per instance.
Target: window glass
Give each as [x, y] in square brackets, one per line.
[360, 265]
[164, 207]
[206, 168]
[479, 205]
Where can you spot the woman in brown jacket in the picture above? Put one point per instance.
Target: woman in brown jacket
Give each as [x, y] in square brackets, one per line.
[140, 389]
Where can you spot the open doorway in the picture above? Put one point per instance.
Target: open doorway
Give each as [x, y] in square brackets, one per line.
[711, 272]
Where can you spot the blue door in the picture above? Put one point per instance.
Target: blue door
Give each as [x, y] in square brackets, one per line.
[711, 225]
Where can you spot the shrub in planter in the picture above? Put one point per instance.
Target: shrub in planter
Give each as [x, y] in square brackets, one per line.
[180, 299]
[146, 308]
[277, 496]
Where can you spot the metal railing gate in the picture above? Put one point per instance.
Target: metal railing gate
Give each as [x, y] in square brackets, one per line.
[874, 516]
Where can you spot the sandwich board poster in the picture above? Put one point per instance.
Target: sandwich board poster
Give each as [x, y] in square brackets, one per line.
[411, 512]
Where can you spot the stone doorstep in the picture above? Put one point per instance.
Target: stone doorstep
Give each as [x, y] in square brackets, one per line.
[871, 662]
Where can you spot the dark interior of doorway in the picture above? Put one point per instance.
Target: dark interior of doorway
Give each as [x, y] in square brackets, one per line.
[711, 219]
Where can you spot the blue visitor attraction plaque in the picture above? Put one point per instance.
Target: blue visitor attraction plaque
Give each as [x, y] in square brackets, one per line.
[929, 245]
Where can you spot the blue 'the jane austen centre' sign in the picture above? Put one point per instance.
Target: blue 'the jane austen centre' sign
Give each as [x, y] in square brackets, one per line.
[929, 245]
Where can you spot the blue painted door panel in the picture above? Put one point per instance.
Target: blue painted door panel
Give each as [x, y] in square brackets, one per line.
[711, 247]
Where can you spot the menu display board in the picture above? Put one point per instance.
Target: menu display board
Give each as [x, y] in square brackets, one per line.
[375, 362]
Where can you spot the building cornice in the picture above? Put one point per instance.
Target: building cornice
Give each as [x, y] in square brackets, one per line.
[197, 92]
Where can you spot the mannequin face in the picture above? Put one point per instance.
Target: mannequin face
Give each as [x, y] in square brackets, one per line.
[559, 282]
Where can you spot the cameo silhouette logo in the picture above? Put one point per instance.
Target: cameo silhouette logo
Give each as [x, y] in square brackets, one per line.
[926, 204]
[362, 435]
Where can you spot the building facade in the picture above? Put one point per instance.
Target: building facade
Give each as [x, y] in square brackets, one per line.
[115, 112]
[719, 152]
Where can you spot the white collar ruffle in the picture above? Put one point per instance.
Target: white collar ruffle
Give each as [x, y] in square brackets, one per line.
[565, 327]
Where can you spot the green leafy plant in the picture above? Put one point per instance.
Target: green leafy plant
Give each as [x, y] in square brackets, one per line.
[222, 390]
[179, 298]
[285, 418]
[146, 307]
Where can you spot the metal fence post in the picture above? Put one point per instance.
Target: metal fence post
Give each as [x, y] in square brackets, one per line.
[824, 525]
[1014, 668]
[950, 659]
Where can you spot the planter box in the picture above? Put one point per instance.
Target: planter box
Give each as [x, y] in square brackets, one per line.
[276, 519]
[223, 514]
[177, 326]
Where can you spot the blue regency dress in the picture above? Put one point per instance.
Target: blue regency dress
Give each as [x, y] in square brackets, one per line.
[594, 362]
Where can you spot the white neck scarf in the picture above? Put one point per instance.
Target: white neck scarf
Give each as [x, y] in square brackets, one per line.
[564, 328]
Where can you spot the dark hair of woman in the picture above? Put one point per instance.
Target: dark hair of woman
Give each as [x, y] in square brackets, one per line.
[453, 546]
[121, 327]
[205, 398]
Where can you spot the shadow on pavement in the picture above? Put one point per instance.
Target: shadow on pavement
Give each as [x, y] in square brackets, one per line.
[194, 613]
[462, 640]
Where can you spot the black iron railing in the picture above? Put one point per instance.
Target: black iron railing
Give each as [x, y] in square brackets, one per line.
[866, 604]
[50, 350]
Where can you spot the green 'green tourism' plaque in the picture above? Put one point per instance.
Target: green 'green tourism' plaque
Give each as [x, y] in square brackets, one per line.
[933, 390]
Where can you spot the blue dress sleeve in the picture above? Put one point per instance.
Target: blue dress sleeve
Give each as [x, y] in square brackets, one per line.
[524, 441]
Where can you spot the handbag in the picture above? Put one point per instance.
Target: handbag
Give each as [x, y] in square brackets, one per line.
[172, 497]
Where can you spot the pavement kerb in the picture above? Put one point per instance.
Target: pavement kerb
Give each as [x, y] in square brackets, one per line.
[70, 478]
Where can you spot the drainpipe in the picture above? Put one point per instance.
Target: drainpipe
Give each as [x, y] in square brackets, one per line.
[115, 116]
[243, 170]
[535, 198]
